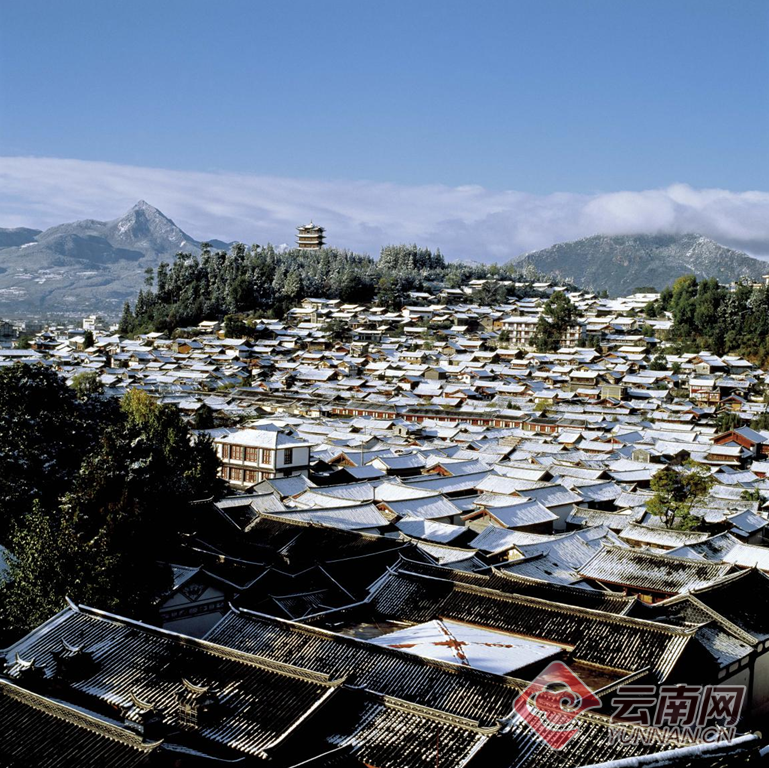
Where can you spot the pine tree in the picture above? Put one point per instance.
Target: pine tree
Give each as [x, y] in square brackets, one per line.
[558, 315]
[127, 320]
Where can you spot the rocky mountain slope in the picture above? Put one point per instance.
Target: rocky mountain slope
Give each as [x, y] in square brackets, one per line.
[86, 266]
[619, 264]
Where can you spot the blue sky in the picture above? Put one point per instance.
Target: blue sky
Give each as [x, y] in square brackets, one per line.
[540, 97]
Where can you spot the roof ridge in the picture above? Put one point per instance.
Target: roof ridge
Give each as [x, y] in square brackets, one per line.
[560, 607]
[685, 560]
[739, 573]
[439, 715]
[719, 618]
[509, 575]
[224, 651]
[77, 716]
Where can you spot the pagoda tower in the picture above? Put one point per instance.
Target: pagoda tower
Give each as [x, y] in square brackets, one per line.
[310, 237]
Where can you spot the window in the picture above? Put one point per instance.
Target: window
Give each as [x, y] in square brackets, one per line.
[265, 456]
[235, 475]
[252, 454]
[288, 456]
[251, 476]
[237, 452]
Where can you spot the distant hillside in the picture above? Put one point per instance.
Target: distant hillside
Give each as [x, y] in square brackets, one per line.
[86, 266]
[17, 236]
[621, 263]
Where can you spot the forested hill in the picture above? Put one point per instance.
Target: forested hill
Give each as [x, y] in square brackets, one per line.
[620, 264]
[265, 281]
[722, 319]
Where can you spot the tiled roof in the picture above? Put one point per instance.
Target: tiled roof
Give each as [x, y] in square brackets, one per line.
[648, 571]
[608, 640]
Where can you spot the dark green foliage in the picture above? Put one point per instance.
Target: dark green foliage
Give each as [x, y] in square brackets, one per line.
[87, 386]
[391, 292]
[558, 315]
[728, 420]
[95, 492]
[659, 362]
[45, 432]
[676, 489]
[259, 280]
[237, 328]
[491, 292]
[38, 577]
[409, 259]
[707, 315]
[127, 320]
[651, 310]
[203, 418]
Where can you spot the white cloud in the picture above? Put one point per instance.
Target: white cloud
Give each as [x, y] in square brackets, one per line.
[465, 222]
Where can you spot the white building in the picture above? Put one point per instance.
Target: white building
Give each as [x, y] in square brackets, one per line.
[249, 456]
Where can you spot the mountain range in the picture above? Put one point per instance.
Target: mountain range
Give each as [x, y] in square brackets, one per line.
[95, 266]
[621, 263]
[86, 266]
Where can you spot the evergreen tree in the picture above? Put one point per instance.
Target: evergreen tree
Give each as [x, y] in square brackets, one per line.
[87, 385]
[728, 420]
[127, 320]
[203, 418]
[44, 433]
[95, 494]
[37, 572]
[676, 490]
[558, 315]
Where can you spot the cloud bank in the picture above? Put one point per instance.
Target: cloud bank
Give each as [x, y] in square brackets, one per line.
[467, 222]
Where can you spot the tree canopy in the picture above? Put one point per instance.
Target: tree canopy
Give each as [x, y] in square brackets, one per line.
[676, 490]
[708, 315]
[95, 494]
[558, 315]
